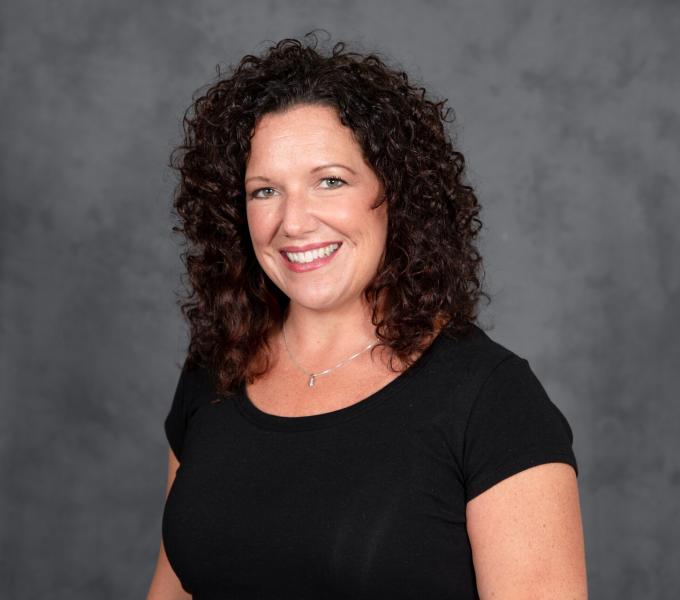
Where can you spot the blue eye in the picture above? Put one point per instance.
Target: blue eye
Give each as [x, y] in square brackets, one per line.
[256, 192]
[336, 179]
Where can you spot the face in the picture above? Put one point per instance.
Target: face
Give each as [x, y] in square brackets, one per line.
[308, 187]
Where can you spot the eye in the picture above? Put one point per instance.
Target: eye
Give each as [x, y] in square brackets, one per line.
[334, 182]
[256, 193]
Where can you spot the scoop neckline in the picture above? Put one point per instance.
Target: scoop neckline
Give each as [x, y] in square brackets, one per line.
[307, 422]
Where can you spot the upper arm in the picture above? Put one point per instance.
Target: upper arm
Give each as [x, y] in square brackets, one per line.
[527, 537]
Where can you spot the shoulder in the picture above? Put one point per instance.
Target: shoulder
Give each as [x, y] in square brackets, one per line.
[502, 419]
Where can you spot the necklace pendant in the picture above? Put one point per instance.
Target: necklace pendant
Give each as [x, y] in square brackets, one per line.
[312, 381]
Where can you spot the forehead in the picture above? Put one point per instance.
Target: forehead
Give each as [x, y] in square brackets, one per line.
[305, 126]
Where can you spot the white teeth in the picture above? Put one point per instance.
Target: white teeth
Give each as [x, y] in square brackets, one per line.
[310, 255]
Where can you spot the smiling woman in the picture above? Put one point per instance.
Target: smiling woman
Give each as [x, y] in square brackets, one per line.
[327, 214]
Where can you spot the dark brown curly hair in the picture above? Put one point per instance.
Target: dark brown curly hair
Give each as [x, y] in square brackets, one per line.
[431, 273]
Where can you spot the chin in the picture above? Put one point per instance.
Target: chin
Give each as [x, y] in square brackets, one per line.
[314, 303]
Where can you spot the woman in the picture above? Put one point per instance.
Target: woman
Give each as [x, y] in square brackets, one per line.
[341, 427]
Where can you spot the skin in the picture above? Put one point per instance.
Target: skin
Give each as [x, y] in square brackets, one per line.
[526, 536]
[525, 532]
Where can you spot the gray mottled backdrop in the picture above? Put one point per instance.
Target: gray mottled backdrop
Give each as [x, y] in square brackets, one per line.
[568, 114]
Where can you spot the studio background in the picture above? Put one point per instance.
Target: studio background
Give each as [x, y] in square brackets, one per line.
[568, 116]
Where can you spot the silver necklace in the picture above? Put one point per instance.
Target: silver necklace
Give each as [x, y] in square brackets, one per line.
[313, 376]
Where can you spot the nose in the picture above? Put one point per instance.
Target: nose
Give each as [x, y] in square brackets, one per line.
[297, 216]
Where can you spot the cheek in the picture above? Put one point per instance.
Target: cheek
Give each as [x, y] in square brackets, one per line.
[257, 225]
[378, 227]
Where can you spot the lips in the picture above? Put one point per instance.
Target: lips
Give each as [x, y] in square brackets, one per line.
[314, 264]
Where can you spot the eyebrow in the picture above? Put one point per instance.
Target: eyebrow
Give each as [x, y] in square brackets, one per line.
[314, 170]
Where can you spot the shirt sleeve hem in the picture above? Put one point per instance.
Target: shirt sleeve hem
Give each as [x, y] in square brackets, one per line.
[515, 466]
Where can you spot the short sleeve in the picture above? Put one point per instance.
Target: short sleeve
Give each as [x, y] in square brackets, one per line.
[177, 418]
[512, 425]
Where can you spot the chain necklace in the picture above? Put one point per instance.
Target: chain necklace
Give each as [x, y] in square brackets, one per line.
[313, 376]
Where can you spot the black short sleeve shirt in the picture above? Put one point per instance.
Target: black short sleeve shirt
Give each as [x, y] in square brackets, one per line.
[364, 502]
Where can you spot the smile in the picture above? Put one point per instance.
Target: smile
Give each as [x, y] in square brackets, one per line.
[311, 259]
[311, 255]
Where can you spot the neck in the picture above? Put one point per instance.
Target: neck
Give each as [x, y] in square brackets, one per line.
[325, 337]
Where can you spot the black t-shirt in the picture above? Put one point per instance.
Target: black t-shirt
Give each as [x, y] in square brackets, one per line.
[363, 502]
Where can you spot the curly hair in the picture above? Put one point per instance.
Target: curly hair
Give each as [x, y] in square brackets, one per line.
[431, 273]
